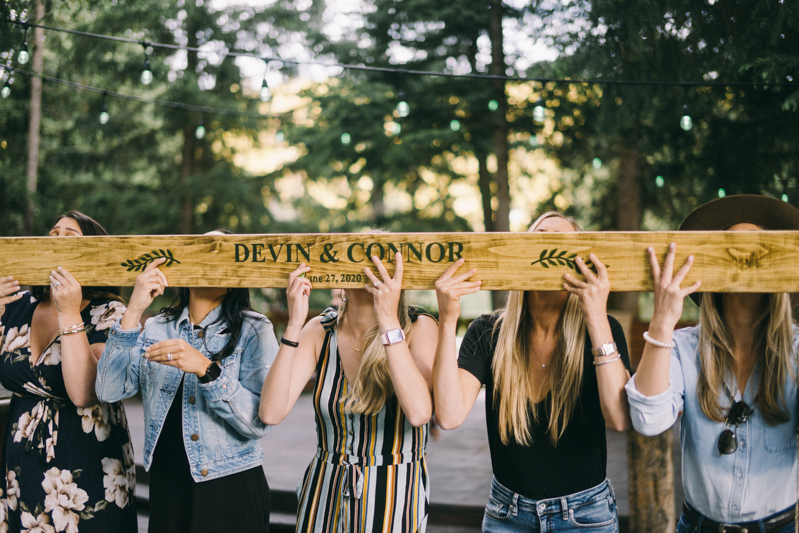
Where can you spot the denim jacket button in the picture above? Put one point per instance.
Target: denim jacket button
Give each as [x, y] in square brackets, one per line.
[203, 472]
[195, 437]
[192, 399]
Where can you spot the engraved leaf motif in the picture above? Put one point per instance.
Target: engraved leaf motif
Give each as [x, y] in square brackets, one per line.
[140, 263]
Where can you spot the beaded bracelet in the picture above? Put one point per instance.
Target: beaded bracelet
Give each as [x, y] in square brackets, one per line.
[657, 343]
[287, 342]
[71, 330]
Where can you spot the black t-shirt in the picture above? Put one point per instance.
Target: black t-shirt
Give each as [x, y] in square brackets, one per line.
[541, 471]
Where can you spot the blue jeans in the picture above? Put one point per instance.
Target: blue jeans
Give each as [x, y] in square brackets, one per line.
[688, 526]
[591, 510]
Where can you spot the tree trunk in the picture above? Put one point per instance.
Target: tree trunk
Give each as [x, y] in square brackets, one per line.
[484, 179]
[500, 133]
[649, 459]
[35, 121]
[187, 166]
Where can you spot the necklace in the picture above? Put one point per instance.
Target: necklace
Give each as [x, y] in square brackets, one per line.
[352, 336]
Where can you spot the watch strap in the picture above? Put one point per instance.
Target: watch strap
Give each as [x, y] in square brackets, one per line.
[211, 374]
[609, 348]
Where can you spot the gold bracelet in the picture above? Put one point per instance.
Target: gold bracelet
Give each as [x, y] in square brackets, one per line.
[71, 330]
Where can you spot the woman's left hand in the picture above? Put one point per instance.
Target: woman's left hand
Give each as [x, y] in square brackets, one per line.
[66, 292]
[386, 292]
[594, 291]
[180, 354]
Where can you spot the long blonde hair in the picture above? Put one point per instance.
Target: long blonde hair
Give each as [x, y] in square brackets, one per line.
[514, 388]
[773, 343]
[368, 392]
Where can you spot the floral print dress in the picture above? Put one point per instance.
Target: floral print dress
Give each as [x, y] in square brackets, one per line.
[67, 468]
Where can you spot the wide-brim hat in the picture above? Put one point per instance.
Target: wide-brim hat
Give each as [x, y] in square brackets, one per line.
[764, 211]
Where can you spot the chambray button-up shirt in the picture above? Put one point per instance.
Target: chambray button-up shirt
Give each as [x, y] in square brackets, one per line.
[759, 479]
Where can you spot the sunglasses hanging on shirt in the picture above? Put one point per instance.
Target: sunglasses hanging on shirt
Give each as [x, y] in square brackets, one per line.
[739, 414]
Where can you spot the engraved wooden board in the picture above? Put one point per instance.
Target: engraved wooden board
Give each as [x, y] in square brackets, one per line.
[725, 261]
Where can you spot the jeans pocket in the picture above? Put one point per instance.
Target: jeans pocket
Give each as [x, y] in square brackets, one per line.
[683, 526]
[600, 513]
[496, 509]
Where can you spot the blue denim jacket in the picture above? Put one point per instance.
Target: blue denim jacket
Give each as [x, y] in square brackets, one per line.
[221, 427]
[755, 481]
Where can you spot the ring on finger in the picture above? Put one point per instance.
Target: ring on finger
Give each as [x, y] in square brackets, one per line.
[56, 283]
[377, 283]
[169, 356]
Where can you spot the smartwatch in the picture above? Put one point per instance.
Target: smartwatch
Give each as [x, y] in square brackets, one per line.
[392, 336]
[211, 374]
[609, 348]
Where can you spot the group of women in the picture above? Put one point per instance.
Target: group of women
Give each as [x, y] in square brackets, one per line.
[555, 367]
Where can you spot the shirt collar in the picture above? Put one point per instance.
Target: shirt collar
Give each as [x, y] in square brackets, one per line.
[212, 317]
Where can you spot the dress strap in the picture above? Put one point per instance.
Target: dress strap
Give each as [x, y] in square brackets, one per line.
[329, 317]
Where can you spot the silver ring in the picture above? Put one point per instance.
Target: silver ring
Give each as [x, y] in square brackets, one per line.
[57, 283]
[377, 283]
[169, 356]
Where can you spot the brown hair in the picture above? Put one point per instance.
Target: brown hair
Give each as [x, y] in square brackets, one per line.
[88, 226]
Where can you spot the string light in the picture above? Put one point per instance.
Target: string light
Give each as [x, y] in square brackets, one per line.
[279, 136]
[5, 92]
[455, 125]
[716, 83]
[104, 116]
[539, 111]
[493, 105]
[346, 139]
[722, 193]
[597, 163]
[266, 94]
[660, 182]
[199, 133]
[23, 57]
[403, 108]
[686, 122]
[146, 72]
[784, 197]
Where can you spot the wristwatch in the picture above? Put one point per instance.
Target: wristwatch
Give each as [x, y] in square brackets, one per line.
[392, 336]
[211, 374]
[609, 348]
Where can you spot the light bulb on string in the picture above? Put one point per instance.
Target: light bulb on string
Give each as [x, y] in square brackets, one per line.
[722, 193]
[597, 163]
[493, 105]
[146, 73]
[346, 139]
[280, 136]
[199, 133]
[784, 197]
[455, 125]
[686, 122]
[539, 111]
[403, 108]
[23, 55]
[660, 181]
[104, 116]
[5, 92]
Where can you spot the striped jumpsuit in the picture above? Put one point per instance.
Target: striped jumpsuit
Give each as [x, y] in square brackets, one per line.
[369, 473]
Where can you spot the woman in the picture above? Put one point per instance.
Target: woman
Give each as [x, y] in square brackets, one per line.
[67, 456]
[199, 365]
[373, 365]
[733, 379]
[548, 399]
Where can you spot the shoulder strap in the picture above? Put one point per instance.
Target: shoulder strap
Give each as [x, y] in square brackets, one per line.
[329, 317]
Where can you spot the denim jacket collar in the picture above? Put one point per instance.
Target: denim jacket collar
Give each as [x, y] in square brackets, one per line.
[209, 323]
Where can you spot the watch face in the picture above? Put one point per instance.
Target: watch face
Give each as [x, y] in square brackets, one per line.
[394, 336]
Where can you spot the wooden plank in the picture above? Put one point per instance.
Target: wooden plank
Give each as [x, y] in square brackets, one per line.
[725, 261]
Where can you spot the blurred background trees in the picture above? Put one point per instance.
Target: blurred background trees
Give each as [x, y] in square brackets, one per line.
[343, 150]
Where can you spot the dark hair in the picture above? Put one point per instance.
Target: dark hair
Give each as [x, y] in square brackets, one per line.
[235, 305]
[88, 226]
